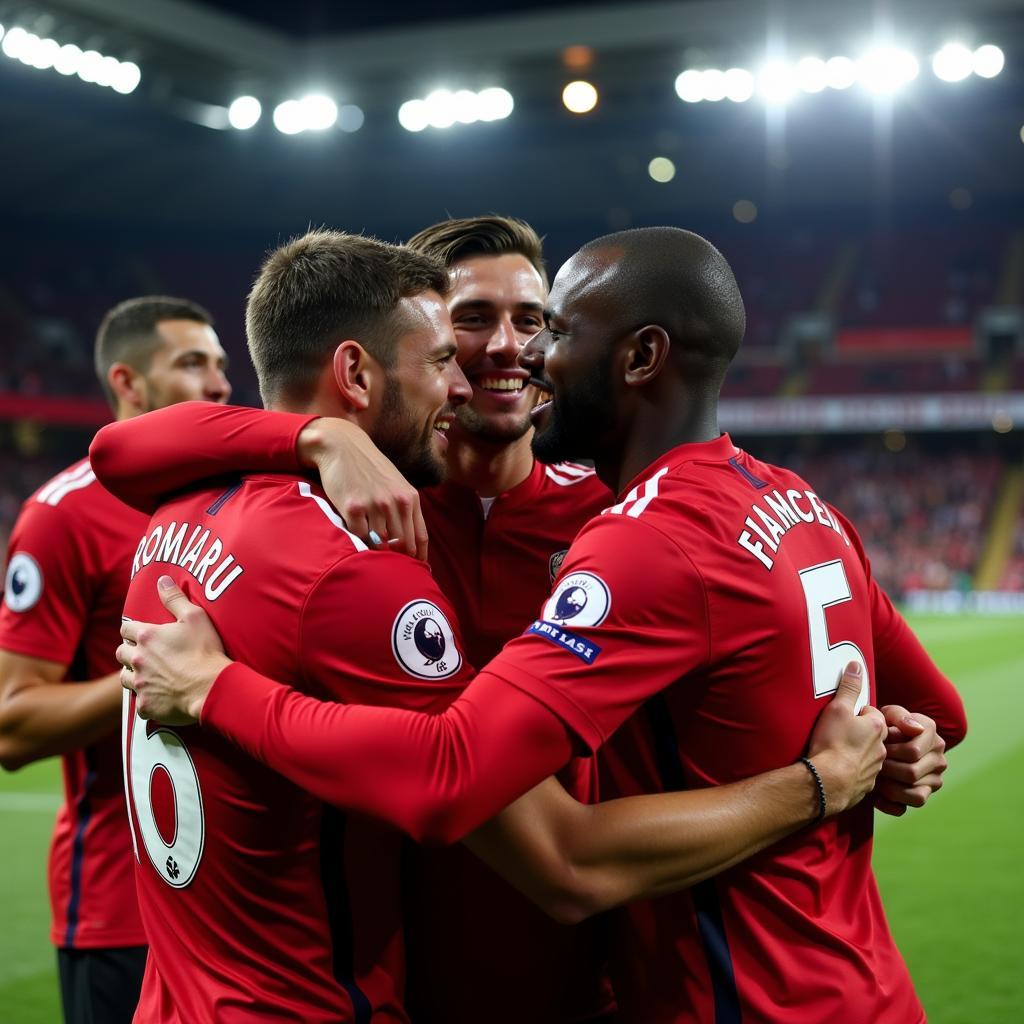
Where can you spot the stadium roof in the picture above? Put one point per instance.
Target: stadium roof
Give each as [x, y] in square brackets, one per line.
[81, 153]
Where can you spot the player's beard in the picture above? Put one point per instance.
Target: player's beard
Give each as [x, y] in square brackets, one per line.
[404, 442]
[577, 418]
[479, 426]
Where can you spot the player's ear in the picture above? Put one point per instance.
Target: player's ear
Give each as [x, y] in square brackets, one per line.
[646, 351]
[128, 386]
[354, 374]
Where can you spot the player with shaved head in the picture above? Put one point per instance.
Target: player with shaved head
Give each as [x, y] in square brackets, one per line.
[712, 608]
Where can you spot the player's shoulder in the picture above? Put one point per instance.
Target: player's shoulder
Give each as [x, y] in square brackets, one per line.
[75, 496]
[576, 486]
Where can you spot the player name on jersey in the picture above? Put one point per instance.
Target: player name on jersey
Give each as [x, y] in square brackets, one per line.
[781, 513]
[200, 555]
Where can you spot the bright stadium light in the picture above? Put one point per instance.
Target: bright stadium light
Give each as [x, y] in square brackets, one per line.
[776, 82]
[713, 85]
[127, 78]
[89, 66]
[289, 118]
[466, 106]
[68, 59]
[319, 112]
[11, 44]
[887, 69]
[244, 112]
[739, 85]
[495, 104]
[811, 74]
[988, 61]
[690, 86]
[106, 73]
[953, 63]
[412, 115]
[45, 54]
[840, 72]
[579, 97]
[661, 170]
[441, 108]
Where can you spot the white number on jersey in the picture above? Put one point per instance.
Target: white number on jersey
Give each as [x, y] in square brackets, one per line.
[825, 585]
[175, 862]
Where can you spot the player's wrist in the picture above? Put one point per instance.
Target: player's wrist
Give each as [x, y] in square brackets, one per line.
[834, 773]
[311, 444]
[196, 702]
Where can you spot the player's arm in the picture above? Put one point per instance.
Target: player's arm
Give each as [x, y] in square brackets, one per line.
[41, 716]
[922, 708]
[143, 459]
[575, 860]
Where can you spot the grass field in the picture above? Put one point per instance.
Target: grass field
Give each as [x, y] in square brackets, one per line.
[951, 876]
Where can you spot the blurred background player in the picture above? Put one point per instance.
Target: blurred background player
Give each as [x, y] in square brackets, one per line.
[68, 569]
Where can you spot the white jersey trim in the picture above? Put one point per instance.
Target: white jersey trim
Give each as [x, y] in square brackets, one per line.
[64, 483]
[634, 504]
[565, 474]
[306, 492]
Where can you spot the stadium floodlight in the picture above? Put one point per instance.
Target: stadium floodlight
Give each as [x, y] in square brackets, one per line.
[953, 63]
[106, 73]
[350, 118]
[690, 86]
[739, 85]
[319, 112]
[840, 72]
[713, 85]
[289, 118]
[661, 170]
[441, 108]
[11, 44]
[579, 97]
[495, 104]
[127, 78]
[465, 106]
[89, 66]
[887, 69]
[811, 74]
[244, 112]
[45, 54]
[68, 59]
[988, 61]
[776, 82]
[412, 115]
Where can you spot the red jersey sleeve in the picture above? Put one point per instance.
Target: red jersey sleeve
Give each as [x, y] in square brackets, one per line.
[48, 591]
[904, 672]
[143, 459]
[375, 629]
[609, 637]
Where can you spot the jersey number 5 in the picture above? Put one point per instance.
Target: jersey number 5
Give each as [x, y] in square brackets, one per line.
[826, 585]
[176, 858]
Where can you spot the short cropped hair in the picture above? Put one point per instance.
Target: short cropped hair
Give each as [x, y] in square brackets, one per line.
[317, 290]
[127, 334]
[455, 240]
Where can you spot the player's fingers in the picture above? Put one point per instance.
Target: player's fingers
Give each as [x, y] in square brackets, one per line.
[889, 806]
[398, 538]
[127, 679]
[357, 522]
[873, 715]
[129, 630]
[914, 749]
[419, 529]
[173, 597]
[123, 655]
[911, 773]
[848, 691]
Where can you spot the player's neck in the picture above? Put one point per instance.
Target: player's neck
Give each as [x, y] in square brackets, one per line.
[652, 432]
[487, 467]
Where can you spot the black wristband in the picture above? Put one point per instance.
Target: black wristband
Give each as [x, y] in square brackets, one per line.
[822, 802]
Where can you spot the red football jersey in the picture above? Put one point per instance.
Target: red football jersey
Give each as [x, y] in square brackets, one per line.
[68, 569]
[258, 903]
[473, 934]
[750, 598]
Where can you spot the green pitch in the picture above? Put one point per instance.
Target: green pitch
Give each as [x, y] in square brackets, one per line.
[951, 875]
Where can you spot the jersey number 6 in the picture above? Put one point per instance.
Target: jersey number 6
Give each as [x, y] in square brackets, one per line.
[825, 585]
[145, 755]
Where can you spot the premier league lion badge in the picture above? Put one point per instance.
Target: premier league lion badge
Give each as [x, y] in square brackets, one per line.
[581, 599]
[423, 642]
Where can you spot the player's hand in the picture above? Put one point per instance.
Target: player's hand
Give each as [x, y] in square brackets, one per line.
[171, 667]
[915, 758]
[847, 748]
[377, 503]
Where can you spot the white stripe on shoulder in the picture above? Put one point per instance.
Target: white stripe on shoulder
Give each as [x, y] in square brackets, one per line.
[574, 469]
[566, 476]
[306, 492]
[61, 481]
[634, 504]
